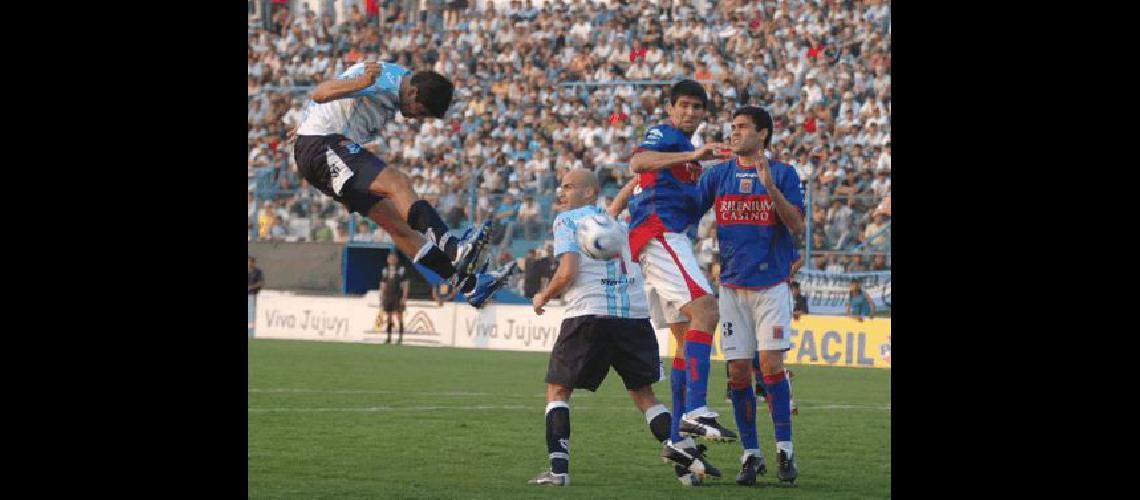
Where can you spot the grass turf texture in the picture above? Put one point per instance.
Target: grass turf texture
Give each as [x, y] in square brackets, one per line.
[329, 420]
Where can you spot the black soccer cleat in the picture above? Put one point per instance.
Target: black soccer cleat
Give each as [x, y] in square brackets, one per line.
[787, 470]
[691, 458]
[471, 250]
[687, 478]
[753, 465]
[706, 427]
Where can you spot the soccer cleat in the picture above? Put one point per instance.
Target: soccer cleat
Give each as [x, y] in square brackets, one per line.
[551, 479]
[471, 249]
[487, 284]
[753, 465]
[706, 427]
[687, 478]
[689, 456]
[787, 470]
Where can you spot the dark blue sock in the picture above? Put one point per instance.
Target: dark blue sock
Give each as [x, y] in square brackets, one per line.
[780, 403]
[558, 436]
[677, 388]
[744, 409]
[698, 348]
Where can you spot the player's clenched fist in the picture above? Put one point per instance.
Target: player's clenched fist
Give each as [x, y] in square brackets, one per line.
[712, 151]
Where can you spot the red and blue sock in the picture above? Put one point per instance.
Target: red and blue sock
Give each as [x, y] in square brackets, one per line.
[698, 348]
[744, 409]
[780, 403]
[677, 387]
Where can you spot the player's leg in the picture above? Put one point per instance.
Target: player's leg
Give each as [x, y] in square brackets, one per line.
[773, 320]
[738, 342]
[632, 347]
[678, 378]
[662, 314]
[574, 363]
[393, 184]
[359, 179]
[389, 316]
[408, 240]
[400, 317]
[669, 265]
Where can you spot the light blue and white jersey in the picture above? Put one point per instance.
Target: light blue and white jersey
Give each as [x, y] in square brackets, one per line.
[361, 116]
[603, 287]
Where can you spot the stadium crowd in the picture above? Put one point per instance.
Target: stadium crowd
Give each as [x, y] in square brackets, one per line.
[822, 69]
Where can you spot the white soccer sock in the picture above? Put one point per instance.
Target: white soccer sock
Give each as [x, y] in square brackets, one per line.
[556, 404]
[750, 453]
[653, 411]
[785, 446]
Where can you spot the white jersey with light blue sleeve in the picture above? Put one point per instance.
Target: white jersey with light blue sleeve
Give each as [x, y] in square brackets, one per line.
[612, 288]
[361, 116]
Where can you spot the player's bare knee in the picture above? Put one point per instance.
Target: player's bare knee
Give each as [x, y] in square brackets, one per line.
[705, 313]
[555, 392]
[739, 372]
[771, 362]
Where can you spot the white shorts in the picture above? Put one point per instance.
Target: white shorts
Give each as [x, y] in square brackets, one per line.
[672, 277]
[754, 320]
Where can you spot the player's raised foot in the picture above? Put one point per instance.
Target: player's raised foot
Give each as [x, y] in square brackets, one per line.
[753, 465]
[471, 247]
[486, 284]
[706, 427]
[549, 478]
[689, 455]
[687, 478]
[786, 471]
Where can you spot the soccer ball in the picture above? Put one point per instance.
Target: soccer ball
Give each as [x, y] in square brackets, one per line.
[600, 237]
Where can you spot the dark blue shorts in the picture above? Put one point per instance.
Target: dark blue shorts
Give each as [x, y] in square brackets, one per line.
[343, 172]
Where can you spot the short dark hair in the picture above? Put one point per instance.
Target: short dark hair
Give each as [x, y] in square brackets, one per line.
[690, 88]
[435, 92]
[759, 117]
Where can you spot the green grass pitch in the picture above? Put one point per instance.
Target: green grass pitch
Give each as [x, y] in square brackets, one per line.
[330, 420]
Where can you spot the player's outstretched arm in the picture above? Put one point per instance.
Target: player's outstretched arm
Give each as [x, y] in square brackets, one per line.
[647, 161]
[621, 199]
[564, 277]
[339, 88]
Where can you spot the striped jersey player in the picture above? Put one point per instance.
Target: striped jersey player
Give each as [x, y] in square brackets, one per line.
[606, 323]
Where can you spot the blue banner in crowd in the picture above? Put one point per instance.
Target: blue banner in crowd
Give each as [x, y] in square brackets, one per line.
[827, 292]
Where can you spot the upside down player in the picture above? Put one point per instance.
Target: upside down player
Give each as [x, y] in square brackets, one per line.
[759, 210]
[351, 110]
[662, 206]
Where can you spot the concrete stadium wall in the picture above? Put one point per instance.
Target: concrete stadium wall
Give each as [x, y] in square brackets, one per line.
[302, 267]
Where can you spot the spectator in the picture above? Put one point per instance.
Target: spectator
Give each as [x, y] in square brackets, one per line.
[812, 71]
[505, 214]
[528, 218]
[871, 235]
[799, 301]
[537, 272]
[255, 279]
[708, 250]
[839, 218]
[859, 302]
